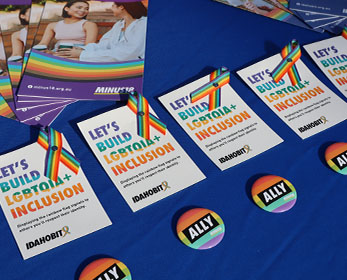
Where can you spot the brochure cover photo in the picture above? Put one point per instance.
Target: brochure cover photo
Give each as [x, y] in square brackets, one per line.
[87, 50]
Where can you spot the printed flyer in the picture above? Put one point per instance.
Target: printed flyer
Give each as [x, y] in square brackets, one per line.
[307, 108]
[36, 11]
[332, 7]
[268, 8]
[90, 50]
[144, 171]
[5, 85]
[331, 57]
[44, 214]
[37, 7]
[229, 134]
[14, 22]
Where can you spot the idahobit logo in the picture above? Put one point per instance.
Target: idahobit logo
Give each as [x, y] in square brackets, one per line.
[49, 237]
[314, 123]
[241, 151]
[164, 186]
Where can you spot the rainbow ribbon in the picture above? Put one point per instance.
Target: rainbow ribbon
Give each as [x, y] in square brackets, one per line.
[344, 32]
[139, 105]
[290, 54]
[218, 78]
[52, 141]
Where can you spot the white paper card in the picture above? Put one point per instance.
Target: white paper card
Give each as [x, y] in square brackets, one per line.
[307, 108]
[229, 134]
[43, 214]
[331, 57]
[144, 171]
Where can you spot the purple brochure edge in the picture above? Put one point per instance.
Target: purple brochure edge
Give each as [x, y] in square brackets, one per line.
[45, 119]
[30, 113]
[30, 105]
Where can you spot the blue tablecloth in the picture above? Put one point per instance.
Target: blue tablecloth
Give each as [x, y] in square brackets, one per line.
[187, 40]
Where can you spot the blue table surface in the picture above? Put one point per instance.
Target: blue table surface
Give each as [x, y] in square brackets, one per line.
[187, 40]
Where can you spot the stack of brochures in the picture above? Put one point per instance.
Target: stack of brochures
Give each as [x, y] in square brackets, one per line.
[318, 15]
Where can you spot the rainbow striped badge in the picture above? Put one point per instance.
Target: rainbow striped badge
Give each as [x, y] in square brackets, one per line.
[344, 32]
[218, 78]
[290, 54]
[139, 105]
[52, 141]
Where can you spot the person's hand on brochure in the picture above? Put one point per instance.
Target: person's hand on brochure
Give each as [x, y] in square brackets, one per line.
[72, 53]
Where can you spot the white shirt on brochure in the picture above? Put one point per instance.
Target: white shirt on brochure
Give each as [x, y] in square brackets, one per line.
[115, 46]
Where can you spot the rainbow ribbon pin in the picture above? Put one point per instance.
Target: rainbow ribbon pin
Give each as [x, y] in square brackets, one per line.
[344, 32]
[52, 141]
[218, 78]
[290, 54]
[139, 105]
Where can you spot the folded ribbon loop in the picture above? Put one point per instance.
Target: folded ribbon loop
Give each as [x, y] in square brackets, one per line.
[52, 141]
[218, 78]
[139, 105]
[344, 32]
[290, 54]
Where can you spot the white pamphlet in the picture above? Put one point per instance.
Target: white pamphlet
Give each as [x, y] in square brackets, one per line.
[307, 108]
[41, 213]
[144, 171]
[229, 134]
[331, 57]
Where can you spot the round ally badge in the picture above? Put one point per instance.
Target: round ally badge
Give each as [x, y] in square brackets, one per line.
[336, 157]
[105, 268]
[200, 228]
[274, 194]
